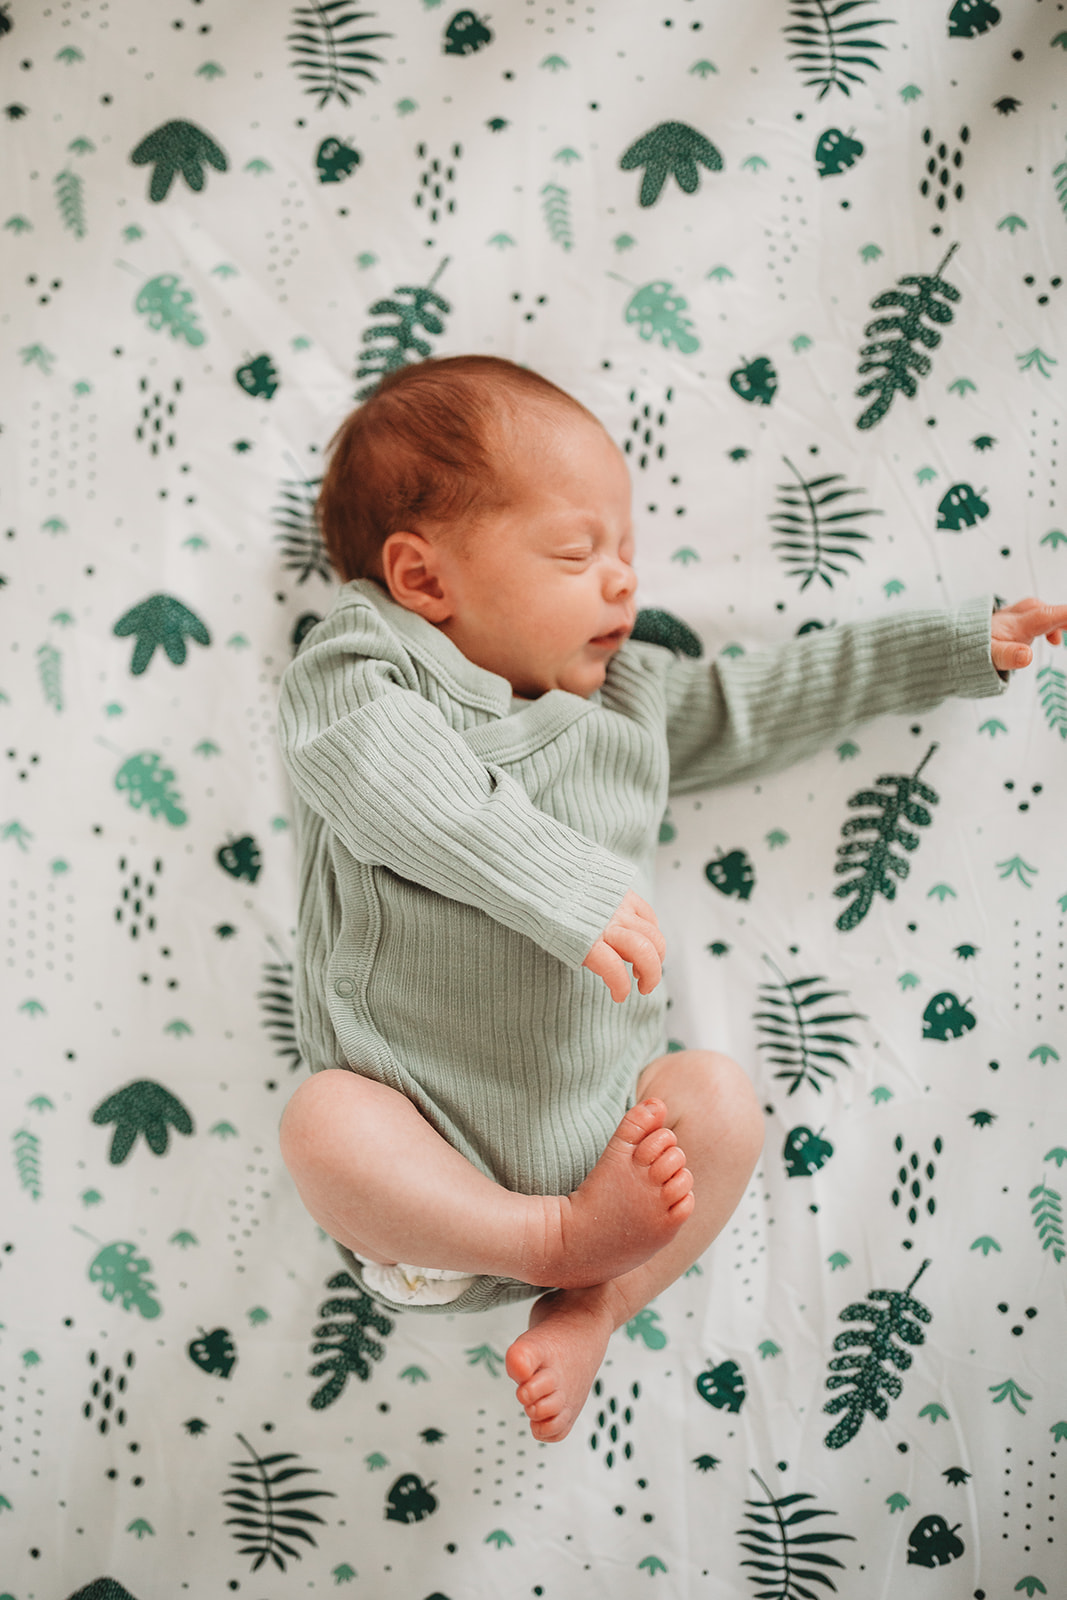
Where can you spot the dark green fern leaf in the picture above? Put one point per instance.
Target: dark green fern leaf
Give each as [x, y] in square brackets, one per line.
[69, 198]
[301, 541]
[1047, 1212]
[277, 1001]
[351, 1347]
[329, 60]
[891, 1313]
[399, 337]
[270, 1517]
[1052, 687]
[896, 802]
[814, 533]
[897, 355]
[787, 1559]
[1060, 175]
[829, 48]
[799, 1039]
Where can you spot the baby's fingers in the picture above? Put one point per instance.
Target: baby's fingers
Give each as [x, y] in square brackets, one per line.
[639, 950]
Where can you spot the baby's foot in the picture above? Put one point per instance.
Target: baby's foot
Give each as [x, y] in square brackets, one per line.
[634, 1200]
[555, 1361]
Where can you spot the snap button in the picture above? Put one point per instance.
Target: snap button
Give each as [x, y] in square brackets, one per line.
[344, 986]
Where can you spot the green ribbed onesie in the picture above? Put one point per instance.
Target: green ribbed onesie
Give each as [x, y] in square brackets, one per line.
[459, 857]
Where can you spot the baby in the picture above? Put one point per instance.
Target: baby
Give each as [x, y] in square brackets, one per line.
[481, 758]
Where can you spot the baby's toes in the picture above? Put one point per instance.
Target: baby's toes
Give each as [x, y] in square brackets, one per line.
[536, 1388]
[545, 1409]
[681, 1184]
[666, 1165]
[654, 1145]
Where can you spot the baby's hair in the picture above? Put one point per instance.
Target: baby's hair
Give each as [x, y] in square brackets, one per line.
[426, 448]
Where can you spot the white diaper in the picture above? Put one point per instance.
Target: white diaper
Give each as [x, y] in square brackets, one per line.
[414, 1286]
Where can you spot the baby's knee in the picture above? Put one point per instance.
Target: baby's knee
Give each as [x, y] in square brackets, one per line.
[311, 1108]
[736, 1101]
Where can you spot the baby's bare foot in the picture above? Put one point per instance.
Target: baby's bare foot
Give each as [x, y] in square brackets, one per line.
[634, 1200]
[555, 1361]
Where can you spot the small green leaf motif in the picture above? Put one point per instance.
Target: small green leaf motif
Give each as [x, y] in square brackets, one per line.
[160, 621]
[485, 1353]
[671, 149]
[344, 1573]
[910, 91]
[1044, 1051]
[839, 1260]
[1058, 1154]
[258, 1315]
[1009, 1390]
[776, 838]
[176, 147]
[1031, 1585]
[643, 1326]
[942, 891]
[140, 1527]
[880, 1094]
[1054, 537]
[871, 252]
[702, 68]
[719, 273]
[566, 155]
[754, 163]
[768, 1348]
[1016, 864]
[555, 63]
[993, 726]
[897, 1502]
[685, 555]
[257, 165]
[894, 586]
[184, 1238]
[624, 241]
[499, 1538]
[1011, 222]
[961, 386]
[847, 750]
[934, 1411]
[415, 1375]
[210, 70]
[653, 1564]
[142, 1107]
[375, 1461]
[907, 980]
[1058, 1431]
[1036, 358]
[925, 474]
[985, 1243]
[502, 240]
[801, 342]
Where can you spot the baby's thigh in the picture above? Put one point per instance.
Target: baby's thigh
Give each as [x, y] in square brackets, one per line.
[707, 1096]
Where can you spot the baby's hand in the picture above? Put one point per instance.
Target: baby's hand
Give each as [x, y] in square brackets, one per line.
[1015, 627]
[632, 935]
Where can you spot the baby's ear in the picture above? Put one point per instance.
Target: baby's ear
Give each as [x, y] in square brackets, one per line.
[411, 567]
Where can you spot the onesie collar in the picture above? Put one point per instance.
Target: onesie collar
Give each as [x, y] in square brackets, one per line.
[477, 685]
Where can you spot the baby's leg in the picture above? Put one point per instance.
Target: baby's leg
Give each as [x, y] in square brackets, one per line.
[714, 1112]
[380, 1180]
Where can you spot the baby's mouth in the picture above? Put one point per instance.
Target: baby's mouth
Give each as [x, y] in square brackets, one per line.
[607, 641]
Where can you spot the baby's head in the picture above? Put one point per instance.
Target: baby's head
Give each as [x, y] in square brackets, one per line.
[495, 506]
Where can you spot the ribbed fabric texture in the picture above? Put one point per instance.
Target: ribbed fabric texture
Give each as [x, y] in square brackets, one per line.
[459, 856]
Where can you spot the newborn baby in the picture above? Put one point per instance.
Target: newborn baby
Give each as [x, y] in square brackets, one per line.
[481, 758]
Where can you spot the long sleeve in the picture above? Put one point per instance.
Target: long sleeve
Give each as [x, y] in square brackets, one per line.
[400, 789]
[733, 720]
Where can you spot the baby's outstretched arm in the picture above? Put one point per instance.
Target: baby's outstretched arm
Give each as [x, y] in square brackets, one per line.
[1017, 626]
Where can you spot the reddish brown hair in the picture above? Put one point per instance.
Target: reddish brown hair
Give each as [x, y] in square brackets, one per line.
[426, 449]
